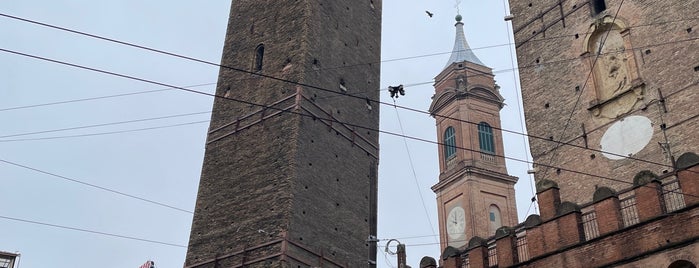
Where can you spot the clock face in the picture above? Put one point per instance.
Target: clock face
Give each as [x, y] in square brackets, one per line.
[456, 222]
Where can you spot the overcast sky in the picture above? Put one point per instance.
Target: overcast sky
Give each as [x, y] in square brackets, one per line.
[78, 164]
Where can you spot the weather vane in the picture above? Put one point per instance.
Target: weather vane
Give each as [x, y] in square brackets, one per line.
[458, 2]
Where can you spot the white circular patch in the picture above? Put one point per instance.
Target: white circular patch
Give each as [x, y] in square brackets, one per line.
[626, 137]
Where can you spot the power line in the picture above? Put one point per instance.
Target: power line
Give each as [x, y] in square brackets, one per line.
[103, 125]
[412, 168]
[327, 68]
[519, 67]
[106, 133]
[97, 98]
[224, 66]
[272, 77]
[292, 112]
[394, 134]
[403, 133]
[569, 143]
[463, 148]
[525, 142]
[327, 97]
[95, 186]
[273, 108]
[260, 105]
[92, 231]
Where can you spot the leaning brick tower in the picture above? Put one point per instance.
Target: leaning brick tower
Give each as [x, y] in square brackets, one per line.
[290, 171]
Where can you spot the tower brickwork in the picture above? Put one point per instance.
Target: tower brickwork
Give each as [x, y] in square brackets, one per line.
[475, 195]
[290, 170]
[615, 81]
[609, 90]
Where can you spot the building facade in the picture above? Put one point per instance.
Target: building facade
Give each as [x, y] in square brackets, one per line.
[290, 170]
[475, 195]
[609, 90]
[647, 225]
[609, 87]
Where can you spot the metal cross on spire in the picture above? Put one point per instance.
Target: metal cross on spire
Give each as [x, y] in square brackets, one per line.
[458, 2]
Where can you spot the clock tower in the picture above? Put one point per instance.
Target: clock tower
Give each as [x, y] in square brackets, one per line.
[475, 195]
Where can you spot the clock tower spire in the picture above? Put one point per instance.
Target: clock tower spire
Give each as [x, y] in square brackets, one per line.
[475, 195]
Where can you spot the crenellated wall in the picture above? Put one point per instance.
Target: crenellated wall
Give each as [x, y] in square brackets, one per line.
[652, 224]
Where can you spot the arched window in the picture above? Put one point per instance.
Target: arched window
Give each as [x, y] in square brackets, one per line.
[449, 142]
[682, 264]
[259, 54]
[485, 138]
[494, 219]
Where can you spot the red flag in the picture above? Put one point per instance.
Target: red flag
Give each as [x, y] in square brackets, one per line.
[148, 264]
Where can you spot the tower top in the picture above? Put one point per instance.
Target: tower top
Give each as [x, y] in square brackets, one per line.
[462, 52]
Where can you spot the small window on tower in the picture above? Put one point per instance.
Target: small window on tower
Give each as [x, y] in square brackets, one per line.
[494, 217]
[449, 143]
[259, 54]
[598, 6]
[485, 138]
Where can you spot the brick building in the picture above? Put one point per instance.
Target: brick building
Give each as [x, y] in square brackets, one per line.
[475, 195]
[290, 170]
[647, 225]
[617, 108]
[609, 90]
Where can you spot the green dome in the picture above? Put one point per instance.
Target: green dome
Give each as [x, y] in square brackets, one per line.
[458, 17]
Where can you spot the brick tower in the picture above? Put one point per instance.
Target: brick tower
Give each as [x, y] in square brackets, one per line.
[290, 169]
[615, 81]
[610, 94]
[475, 195]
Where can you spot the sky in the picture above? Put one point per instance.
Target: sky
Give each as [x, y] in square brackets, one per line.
[98, 169]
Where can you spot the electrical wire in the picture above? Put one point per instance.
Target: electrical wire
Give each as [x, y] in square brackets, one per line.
[95, 186]
[76, 66]
[568, 143]
[204, 61]
[190, 212]
[386, 259]
[506, 70]
[412, 168]
[92, 231]
[97, 98]
[327, 68]
[525, 142]
[275, 78]
[106, 133]
[267, 107]
[302, 114]
[104, 124]
[101, 232]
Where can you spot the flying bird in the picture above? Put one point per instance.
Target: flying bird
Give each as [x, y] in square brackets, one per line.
[429, 13]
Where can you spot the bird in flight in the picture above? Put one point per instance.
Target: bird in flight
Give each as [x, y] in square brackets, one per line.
[429, 13]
